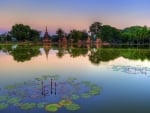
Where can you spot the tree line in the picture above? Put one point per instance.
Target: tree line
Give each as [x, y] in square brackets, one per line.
[107, 33]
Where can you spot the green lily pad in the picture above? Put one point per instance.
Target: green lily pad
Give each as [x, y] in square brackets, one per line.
[75, 97]
[41, 105]
[28, 106]
[3, 98]
[52, 107]
[65, 102]
[85, 95]
[14, 100]
[72, 107]
[3, 106]
[94, 92]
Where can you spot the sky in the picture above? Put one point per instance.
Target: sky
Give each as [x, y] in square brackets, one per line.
[73, 14]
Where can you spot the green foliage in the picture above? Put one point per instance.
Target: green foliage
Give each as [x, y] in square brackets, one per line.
[78, 35]
[24, 53]
[135, 34]
[24, 32]
[109, 34]
[95, 29]
[75, 52]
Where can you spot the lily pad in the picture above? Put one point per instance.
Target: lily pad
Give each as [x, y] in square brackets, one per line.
[3, 98]
[3, 106]
[14, 100]
[85, 95]
[72, 107]
[75, 97]
[41, 105]
[52, 107]
[94, 92]
[28, 106]
[65, 102]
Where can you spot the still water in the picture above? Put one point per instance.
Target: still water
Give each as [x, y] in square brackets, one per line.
[37, 79]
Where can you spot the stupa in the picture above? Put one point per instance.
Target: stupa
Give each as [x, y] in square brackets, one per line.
[46, 39]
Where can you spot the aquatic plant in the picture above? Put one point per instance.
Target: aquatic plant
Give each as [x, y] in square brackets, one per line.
[65, 102]
[75, 97]
[72, 107]
[3, 98]
[41, 105]
[14, 100]
[94, 92]
[70, 89]
[3, 106]
[27, 106]
[85, 95]
[52, 107]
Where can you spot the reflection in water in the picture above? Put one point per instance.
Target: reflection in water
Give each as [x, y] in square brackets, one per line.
[132, 69]
[96, 55]
[21, 53]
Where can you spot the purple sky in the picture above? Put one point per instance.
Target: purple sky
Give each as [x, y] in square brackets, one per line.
[69, 14]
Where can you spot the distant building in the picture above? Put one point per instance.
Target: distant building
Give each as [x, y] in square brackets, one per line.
[46, 38]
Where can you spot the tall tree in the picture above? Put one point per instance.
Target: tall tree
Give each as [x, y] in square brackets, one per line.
[95, 29]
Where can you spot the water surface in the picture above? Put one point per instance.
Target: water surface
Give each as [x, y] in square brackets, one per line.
[122, 74]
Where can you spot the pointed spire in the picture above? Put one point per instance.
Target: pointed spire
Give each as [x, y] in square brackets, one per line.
[46, 28]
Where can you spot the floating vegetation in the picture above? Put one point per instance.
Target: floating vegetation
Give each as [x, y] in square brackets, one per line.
[14, 100]
[72, 107]
[41, 105]
[65, 102]
[33, 91]
[27, 106]
[3, 106]
[52, 107]
[75, 97]
[132, 69]
[85, 95]
[3, 98]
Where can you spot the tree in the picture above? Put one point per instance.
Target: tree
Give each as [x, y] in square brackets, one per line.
[24, 32]
[60, 33]
[110, 34]
[135, 34]
[78, 35]
[95, 29]
[34, 35]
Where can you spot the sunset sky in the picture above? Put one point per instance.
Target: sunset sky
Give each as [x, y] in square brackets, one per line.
[69, 14]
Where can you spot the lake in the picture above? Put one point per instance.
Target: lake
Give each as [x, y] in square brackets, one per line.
[43, 79]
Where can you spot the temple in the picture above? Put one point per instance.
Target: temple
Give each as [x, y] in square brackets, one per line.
[46, 43]
[46, 39]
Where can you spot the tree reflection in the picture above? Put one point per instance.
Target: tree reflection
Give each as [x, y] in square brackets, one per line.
[98, 55]
[75, 52]
[24, 53]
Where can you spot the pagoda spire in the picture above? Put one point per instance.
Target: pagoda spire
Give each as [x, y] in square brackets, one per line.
[46, 29]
